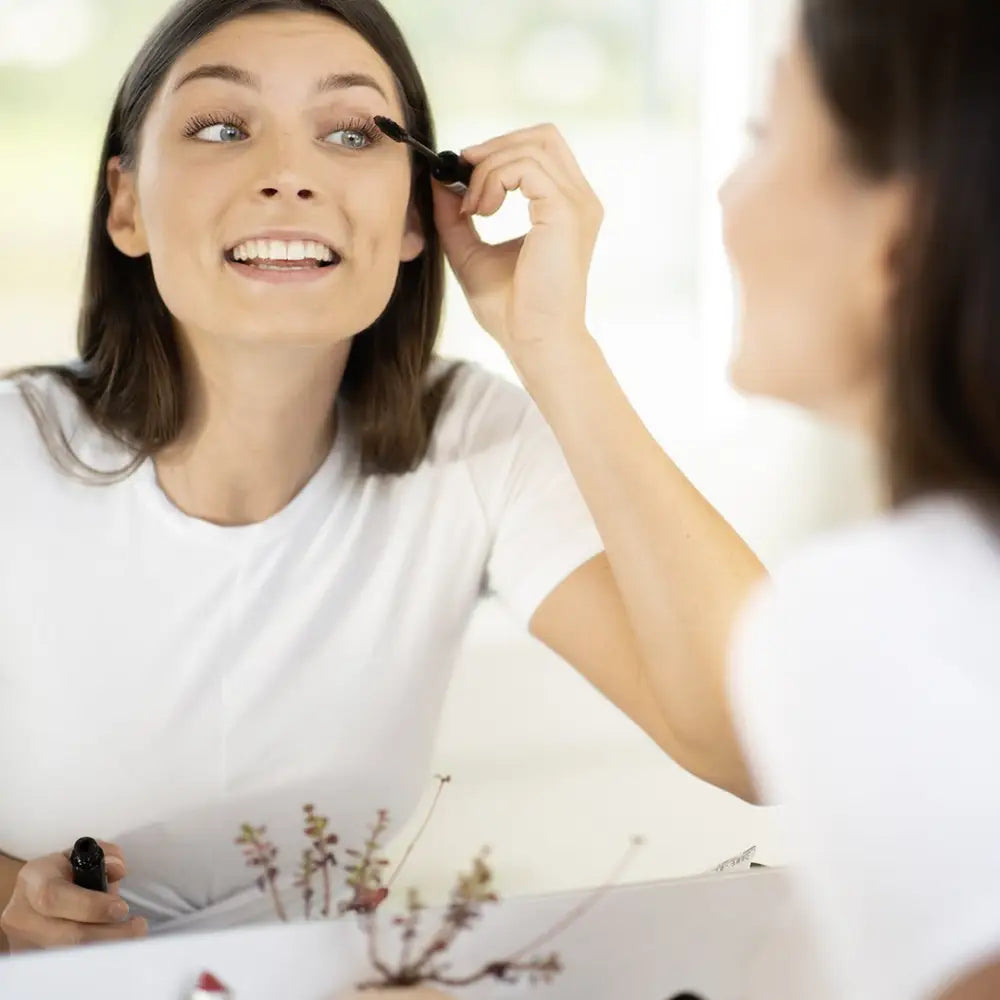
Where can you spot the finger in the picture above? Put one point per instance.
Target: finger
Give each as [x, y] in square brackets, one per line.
[459, 238]
[547, 137]
[59, 898]
[524, 151]
[115, 867]
[547, 201]
[536, 134]
[31, 929]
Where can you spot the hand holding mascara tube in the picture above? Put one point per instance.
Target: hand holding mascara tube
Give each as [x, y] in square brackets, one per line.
[530, 292]
[54, 904]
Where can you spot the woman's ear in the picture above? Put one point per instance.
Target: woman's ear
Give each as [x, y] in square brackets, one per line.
[413, 237]
[124, 216]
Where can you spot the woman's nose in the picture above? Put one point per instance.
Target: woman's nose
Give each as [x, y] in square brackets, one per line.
[303, 193]
[288, 171]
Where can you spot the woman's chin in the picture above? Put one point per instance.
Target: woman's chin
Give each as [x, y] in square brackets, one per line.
[741, 375]
[288, 334]
[752, 376]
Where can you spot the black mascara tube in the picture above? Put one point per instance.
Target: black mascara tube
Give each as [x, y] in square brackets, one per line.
[87, 862]
[452, 171]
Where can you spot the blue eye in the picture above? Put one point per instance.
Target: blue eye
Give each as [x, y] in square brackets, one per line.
[353, 138]
[221, 132]
[218, 127]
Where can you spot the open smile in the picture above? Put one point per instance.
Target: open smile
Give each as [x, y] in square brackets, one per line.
[280, 259]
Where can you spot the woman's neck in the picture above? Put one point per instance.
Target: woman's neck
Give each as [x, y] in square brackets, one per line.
[261, 422]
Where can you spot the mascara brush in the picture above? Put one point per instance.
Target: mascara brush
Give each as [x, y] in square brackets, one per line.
[447, 167]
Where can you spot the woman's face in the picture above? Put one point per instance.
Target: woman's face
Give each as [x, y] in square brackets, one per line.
[262, 132]
[812, 243]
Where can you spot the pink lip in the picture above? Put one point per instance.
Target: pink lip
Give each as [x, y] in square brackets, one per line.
[282, 276]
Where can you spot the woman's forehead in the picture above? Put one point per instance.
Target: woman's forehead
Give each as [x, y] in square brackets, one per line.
[272, 45]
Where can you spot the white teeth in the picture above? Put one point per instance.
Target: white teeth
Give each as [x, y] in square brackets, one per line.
[264, 250]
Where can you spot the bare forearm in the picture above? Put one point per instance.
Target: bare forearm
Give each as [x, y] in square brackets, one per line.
[682, 571]
[9, 867]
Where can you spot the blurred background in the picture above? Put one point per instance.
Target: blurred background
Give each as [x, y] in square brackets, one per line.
[653, 97]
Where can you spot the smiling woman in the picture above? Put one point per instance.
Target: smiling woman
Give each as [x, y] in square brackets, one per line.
[160, 138]
[273, 510]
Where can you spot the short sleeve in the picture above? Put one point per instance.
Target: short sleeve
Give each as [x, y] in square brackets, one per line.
[541, 528]
[866, 701]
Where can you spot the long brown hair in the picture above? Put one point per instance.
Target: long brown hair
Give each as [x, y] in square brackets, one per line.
[915, 88]
[130, 379]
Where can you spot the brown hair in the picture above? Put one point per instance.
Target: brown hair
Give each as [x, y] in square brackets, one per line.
[915, 88]
[130, 379]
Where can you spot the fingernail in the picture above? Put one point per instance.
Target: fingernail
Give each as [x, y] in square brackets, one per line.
[119, 910]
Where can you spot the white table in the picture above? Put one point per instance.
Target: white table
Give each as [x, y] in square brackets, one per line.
[724, 937]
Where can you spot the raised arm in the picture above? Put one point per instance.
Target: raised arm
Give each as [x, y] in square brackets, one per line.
[650, 623]
[651, 619]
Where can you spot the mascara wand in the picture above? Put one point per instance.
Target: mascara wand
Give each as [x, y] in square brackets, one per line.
[447, 167]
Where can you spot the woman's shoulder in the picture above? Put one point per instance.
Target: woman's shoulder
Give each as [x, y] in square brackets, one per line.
[914, 577]
[481, 410]
[865, 692]
[39, 416]
[22, 399]
[925, 545]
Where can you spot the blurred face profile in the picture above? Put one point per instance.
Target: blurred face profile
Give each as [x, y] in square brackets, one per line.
[811, 243]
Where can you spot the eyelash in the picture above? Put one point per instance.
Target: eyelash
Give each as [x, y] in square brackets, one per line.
[364, 126]
[199, 122]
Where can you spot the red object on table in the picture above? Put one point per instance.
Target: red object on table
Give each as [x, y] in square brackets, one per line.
[210, 988]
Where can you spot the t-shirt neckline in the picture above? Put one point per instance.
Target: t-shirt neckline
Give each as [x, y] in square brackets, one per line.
[318, 486]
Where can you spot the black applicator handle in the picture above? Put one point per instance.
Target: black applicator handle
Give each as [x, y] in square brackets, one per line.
[87, 862]
[453, 172]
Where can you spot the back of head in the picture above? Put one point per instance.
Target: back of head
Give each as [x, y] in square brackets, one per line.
[915, 88]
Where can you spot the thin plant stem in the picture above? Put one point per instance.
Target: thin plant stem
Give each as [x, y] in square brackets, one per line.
[442, 781]
[581, 908]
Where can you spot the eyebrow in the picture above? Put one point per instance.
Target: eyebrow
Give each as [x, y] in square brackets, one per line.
[244, 78]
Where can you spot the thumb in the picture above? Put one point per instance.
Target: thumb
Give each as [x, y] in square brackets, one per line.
[114, 861]
[457, 232]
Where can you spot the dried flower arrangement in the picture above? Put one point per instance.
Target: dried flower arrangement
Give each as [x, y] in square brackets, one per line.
[418, 962]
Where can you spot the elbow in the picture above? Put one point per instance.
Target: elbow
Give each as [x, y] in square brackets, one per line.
[721, 763]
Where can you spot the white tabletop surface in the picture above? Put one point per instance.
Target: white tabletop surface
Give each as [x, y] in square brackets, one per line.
[724, 937]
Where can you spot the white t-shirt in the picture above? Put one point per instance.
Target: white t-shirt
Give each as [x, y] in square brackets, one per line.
[866, 682]
[164, 679]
